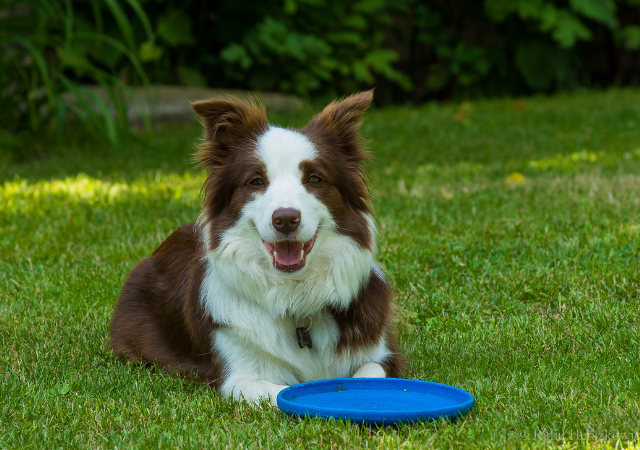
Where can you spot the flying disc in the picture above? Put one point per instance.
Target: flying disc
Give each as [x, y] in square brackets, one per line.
[375, 401]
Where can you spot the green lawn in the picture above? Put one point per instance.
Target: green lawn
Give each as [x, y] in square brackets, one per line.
[522, 289]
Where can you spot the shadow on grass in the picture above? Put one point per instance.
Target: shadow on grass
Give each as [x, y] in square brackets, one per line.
[168, 149]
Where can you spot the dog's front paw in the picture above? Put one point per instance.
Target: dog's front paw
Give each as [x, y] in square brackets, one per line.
[254, 392]
[274, 390]
[370, 370]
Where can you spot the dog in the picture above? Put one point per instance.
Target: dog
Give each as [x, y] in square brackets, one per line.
[275, 283]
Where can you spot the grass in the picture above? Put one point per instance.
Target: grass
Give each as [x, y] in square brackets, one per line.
[510, 229]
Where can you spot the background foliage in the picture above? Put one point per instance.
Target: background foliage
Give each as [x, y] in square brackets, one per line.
[50, 51]
[411, 50]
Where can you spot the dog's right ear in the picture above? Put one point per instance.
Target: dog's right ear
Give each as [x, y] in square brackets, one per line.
[338, 124]
[229, 123]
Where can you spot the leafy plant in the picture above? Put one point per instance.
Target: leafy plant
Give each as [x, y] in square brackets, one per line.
[309, 44]
[50, 50]
[551, 43]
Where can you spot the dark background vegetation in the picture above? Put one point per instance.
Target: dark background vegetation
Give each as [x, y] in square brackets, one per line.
[410, 50]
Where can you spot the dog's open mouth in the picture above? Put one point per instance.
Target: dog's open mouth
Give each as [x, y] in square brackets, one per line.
[289, 256]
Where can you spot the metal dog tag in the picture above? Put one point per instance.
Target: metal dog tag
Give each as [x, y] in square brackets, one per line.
[304, 338]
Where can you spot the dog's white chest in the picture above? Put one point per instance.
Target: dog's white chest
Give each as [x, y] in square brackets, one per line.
[271, 349]
[257, 339]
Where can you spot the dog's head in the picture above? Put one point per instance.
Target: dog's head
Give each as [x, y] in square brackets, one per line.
[286, 192]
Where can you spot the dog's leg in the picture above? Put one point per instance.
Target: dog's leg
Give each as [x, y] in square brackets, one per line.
[370, 370]
[251, 373]
[252, 391]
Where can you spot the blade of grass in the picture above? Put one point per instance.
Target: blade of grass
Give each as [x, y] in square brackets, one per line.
[118, 103]
[123, 22]
[134, 61]
[83, 113]
[135, 5]
[97, 16]
[146, 119]
[42, 68]
[60, 109]
[118, 45]
[68, 23]
[79, 92]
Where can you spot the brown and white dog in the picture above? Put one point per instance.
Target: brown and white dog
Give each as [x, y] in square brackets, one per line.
[276, 282]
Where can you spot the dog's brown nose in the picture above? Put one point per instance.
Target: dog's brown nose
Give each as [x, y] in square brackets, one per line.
[286, 220]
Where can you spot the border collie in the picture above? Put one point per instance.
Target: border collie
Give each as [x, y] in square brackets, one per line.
[275, 283]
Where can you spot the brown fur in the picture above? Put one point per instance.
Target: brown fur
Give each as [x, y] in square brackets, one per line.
[369, 318]
[159, 317]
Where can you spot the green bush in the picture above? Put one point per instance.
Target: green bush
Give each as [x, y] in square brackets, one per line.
[516, 47]
[410, 49]
[310, 45]
[419, 50]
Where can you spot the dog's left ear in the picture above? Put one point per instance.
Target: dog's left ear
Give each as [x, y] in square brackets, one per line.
[340, 121]
[228, 120]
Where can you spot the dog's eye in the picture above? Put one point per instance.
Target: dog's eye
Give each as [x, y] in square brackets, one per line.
[314, 180]
[257, 182]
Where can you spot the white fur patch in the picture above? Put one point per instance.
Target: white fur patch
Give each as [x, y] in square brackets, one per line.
[282, 151]
[370, 370]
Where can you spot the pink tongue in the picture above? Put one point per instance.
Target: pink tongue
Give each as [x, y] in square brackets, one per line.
[289, 253]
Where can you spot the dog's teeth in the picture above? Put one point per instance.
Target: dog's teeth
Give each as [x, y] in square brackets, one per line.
[275, 255]
[301, 254]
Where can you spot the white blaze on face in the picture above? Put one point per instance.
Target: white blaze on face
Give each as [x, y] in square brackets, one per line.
[282, 151]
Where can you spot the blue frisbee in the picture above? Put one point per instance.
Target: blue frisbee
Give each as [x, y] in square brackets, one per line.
[375, 401]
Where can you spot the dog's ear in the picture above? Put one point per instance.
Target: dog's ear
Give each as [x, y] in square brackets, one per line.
[340, 121]
[228, 124]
